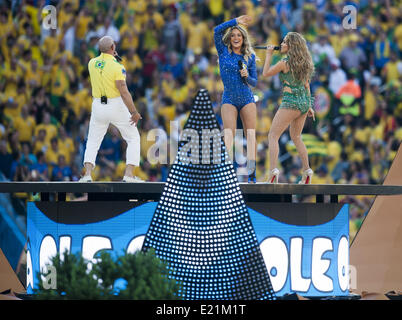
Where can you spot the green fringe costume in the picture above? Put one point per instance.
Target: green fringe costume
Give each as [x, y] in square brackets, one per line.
[300, 98]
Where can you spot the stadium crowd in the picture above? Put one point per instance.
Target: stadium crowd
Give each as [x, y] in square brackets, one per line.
[168, 52]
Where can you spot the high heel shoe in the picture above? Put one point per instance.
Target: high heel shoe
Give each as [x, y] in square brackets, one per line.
[273, 176]
[306, 176]
[251, 167]
[252, 178]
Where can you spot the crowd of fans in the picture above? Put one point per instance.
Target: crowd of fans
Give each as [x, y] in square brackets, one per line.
[168, 52]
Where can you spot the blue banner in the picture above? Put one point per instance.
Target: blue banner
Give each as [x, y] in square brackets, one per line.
[309, 259]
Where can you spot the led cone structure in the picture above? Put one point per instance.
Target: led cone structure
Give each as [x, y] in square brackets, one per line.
[201, 226]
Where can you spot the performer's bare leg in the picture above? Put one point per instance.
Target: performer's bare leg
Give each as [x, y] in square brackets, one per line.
[295, 130]
[229, 117]
[280, 123]
[248, 115]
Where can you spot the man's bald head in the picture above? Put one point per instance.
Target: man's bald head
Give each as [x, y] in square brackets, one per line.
[105, 44]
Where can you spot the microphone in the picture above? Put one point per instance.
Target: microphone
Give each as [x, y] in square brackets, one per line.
[265, 47]
[240, 64]
[116, 55]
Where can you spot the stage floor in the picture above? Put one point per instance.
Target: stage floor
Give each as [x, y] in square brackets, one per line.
[281, 192]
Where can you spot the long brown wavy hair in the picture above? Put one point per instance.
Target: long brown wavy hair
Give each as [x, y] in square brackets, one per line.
[246, 49]
[299, 58]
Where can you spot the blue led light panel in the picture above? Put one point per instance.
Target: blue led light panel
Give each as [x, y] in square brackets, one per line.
[201, 226]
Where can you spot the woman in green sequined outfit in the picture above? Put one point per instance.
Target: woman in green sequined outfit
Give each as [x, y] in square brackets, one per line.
[295, 72]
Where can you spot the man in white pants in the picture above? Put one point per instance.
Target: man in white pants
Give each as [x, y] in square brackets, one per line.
[112, 104]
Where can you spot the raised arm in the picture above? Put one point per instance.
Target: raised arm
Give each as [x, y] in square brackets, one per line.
[268, 70]
[219, 32]
[252, 73]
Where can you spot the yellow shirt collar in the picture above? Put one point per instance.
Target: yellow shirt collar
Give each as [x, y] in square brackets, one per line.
[107, 56]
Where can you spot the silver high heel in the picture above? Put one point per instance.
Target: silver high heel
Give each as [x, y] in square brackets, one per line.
[306, 176]
[273, 176]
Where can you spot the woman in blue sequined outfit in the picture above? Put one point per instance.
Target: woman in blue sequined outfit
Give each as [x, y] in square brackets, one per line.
[233, 46]
[295, 72]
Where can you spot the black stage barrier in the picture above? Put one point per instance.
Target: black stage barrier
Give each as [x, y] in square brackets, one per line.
[145, 191]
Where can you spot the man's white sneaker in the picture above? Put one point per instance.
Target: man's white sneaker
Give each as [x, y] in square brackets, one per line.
[85, 179]
[132, 179]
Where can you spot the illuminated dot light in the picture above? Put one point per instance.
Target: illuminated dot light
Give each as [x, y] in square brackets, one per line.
[201, 226]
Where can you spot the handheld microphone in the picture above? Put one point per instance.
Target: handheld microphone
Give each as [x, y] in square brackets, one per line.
[116, 55]
[240, 64]
[265, 47]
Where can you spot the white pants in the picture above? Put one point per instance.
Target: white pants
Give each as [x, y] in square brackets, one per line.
[114, 112]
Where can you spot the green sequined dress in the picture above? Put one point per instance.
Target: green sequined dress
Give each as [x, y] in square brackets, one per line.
[299, 98]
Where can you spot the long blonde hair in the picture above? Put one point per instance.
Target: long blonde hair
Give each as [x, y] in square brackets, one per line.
[246, 49]
[299, 58]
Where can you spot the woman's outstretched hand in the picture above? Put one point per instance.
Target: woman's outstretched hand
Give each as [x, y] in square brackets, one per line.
[244, 20]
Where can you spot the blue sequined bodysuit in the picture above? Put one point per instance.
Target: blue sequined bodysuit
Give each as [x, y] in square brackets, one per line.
[235, 92]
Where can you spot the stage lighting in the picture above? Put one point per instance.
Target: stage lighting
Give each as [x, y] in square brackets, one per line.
[201, 226]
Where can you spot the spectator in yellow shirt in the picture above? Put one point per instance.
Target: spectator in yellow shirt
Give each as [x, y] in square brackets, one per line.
[197, 34]
[35, 13]
[65, 14]
[334, 153]
[5, 22]
[137, 6]
[22, 97]
[246, 7]
[363, 132]
[131, 61]
[147, 139]
[53, 152]
[129, 35]
[34, 75]
[216, 8]
[82, 23]
[40, 142]
[322, 176]
[12, 74]
[79, 101]
[25, 124]
[398, 34]
[151, 36]
[180, 92]
[11, 108]
[62, 76]
[51, 129]
[167, 111]
[151, 13]
[51, 43]
[390, 70]
[66, 144]
[185, 16]
[120, 167]
[372, 98]
[264, 121]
